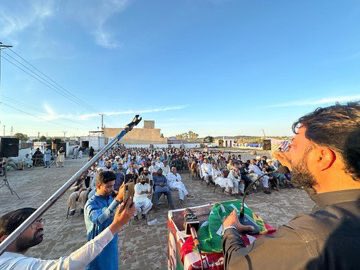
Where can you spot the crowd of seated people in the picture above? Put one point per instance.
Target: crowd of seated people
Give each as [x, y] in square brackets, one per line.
[234, 175]
[153, 173]
[143, 168]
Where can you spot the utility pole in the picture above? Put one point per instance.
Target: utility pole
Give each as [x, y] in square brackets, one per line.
[102, 120]
[11, 131]
[4, 130]
[64, 135]
[2, 46]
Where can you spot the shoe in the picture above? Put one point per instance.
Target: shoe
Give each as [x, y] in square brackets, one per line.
[72, 212]
[143, 217]
[267, 191]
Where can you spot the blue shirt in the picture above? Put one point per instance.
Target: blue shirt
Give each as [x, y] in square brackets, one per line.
[98, 215]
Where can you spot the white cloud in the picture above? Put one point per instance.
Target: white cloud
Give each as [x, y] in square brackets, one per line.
[95, 19]
[322, 101]
[52, 115]
[15, 18]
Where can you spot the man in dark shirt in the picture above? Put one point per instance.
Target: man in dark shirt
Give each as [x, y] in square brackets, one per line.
[324, 158]
[161, 187]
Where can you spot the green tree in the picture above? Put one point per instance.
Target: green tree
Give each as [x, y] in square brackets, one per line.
[208, 139]
[21, 137]
[42, 138]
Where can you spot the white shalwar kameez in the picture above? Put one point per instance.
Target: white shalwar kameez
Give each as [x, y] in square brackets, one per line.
[174, 182]
[142, 202]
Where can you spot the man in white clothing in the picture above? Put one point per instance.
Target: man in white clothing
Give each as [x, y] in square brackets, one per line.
[13, 258]
[206, 171]
[237, 184]
[142, 201]
[174, 181]
[165, 168]
[255, 172]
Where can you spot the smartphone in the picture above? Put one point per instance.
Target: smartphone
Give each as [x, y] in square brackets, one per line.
[245, 220]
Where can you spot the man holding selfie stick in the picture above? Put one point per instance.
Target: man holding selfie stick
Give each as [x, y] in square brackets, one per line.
[99, 214]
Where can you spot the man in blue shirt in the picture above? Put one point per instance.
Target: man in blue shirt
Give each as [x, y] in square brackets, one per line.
[99, 214]
[161, 187]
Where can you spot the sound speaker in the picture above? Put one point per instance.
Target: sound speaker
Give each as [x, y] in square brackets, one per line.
[266, 144]
[9, 147]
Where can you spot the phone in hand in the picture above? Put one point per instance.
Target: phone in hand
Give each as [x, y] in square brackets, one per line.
[245, 220]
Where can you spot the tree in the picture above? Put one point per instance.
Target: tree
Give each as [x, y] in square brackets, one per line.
[189, 136]
[42, 138]
[208, 139]
[21, 137]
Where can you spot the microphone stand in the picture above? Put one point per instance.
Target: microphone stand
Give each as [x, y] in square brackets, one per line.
[242, 218]
[47, 204]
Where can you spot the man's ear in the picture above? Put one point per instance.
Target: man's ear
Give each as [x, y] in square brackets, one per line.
[326, 158]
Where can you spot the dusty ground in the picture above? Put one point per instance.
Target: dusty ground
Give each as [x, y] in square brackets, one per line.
[141, 246]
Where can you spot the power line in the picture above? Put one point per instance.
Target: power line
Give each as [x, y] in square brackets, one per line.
[17, 102]
[38, 78]
[54, 82]
[33, 115]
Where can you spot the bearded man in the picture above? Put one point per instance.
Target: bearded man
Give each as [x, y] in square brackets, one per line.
[324, 158]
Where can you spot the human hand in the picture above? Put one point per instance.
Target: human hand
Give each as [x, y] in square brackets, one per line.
[123, 214]
[233, 220]
[121, 193]
[283, 158]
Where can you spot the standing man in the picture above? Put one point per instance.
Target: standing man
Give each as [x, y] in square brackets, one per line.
[14, 259]
[47, 157]
[60, 157]
[324, 158]
[99, 214]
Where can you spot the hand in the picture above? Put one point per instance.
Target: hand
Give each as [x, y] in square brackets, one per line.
[120, 195]
[284, 158]
[123, 214]
[233, 220]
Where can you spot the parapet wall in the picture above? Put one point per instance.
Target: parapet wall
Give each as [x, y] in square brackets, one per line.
[137, 135]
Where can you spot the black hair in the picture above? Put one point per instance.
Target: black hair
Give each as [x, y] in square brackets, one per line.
[105, 177]
[12, 220]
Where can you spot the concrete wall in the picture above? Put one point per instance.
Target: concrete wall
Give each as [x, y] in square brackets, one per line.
[137, 136]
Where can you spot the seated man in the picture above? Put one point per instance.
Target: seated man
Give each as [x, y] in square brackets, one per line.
[37, 158]
[174, 181]
[79, 195]
[255, 172]
[206, 171]
[224, 182]
[161, 187]
[236, 183]
[27, 161]
[141, 197]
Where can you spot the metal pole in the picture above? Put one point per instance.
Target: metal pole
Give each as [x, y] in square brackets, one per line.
[46, 205]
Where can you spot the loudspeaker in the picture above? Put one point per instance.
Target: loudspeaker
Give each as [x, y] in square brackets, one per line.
[266, 144]
[9, 147]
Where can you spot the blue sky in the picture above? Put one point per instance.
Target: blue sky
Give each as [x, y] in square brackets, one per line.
[215, 67]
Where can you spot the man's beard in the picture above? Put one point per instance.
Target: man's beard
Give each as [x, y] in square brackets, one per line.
[23, 245]
[301, 176]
